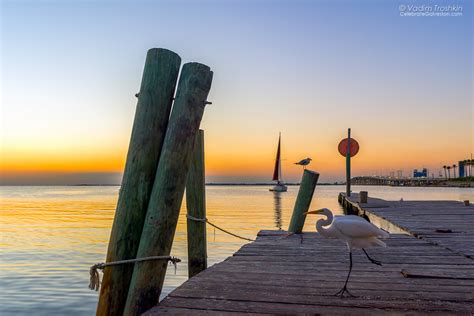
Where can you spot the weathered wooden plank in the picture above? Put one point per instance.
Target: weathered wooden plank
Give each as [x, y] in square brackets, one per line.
[365, 292]
[335, 273]
[322, 276]
[326, 300]
[306, 286]
[275, 308]
[438, 274]
[425, 260]
[312, 280]
[194, 309]
[360, 263]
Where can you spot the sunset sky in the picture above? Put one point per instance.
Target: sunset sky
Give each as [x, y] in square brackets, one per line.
[307, 69]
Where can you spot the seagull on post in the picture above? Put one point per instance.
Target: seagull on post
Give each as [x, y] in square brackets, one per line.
[304, 162]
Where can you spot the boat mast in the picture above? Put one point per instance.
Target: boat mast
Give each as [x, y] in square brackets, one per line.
[280, 176]
[277, 170]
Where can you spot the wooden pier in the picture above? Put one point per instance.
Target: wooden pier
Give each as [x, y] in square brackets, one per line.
[427, 268]
[448, 224]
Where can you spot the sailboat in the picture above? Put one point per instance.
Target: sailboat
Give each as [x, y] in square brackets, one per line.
[279, 187]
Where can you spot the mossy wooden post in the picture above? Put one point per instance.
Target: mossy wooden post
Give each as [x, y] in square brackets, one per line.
[151, 119]
[303, 201]
[196, 207]
[168, 188]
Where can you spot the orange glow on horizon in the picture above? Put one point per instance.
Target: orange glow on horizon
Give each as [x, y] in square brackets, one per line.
[235, 158]
[23, 160]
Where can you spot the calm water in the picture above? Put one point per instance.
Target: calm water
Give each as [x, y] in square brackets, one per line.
[50, 236]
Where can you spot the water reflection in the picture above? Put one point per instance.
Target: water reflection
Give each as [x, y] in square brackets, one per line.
[277, 208]
[50, 236]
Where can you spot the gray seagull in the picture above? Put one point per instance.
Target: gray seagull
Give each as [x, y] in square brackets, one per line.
[304, 162]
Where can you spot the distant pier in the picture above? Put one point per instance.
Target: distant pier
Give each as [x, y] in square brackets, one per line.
[372, 180]
[428, 267]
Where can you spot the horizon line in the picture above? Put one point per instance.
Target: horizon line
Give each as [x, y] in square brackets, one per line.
[207, 184]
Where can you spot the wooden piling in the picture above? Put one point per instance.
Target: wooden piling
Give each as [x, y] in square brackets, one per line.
[196, 207]
[303, 201]
[168, 188]
[363, 196]
[151, 119]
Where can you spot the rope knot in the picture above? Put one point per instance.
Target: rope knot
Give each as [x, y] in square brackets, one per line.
[94, 280]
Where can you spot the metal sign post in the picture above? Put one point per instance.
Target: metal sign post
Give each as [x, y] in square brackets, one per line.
[348, 148]
[348, 163]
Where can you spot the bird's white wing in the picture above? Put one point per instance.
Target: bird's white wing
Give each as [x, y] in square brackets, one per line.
[354, 227]
[351, 217]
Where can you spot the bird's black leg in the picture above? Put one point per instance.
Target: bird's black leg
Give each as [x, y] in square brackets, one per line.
[344, 289]
[372, 260]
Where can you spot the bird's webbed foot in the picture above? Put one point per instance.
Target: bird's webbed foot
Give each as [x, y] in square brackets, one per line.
[375, 262]
[343, 291]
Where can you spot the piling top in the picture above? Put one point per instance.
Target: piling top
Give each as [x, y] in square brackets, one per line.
[197, 65]
[311, 171]
[162, 51]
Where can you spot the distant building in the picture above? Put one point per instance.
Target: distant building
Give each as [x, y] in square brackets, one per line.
[399, 174]
[461, 169]
[420, 174]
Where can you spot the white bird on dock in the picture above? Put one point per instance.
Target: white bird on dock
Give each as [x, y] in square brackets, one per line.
[355, 231]
[304, 162]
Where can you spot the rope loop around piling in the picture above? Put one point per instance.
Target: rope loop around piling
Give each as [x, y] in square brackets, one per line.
[205, 220]
[94, 282]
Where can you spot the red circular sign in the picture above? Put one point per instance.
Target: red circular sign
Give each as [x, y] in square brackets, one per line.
[354, 148]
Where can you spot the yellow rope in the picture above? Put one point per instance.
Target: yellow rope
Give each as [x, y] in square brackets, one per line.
[205, 220]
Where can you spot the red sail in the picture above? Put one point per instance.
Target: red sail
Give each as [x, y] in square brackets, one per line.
[276, 172]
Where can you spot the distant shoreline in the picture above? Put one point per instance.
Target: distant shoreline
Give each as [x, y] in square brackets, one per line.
[213, 184]
[450, 185]
[117, 185]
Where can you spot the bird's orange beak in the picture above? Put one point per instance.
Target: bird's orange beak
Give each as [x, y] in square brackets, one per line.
[314, 212]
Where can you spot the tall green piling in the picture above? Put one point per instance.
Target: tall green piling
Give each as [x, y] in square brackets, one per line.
[196, 207]
[168, 188]
[303, 201]
[151, 119]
